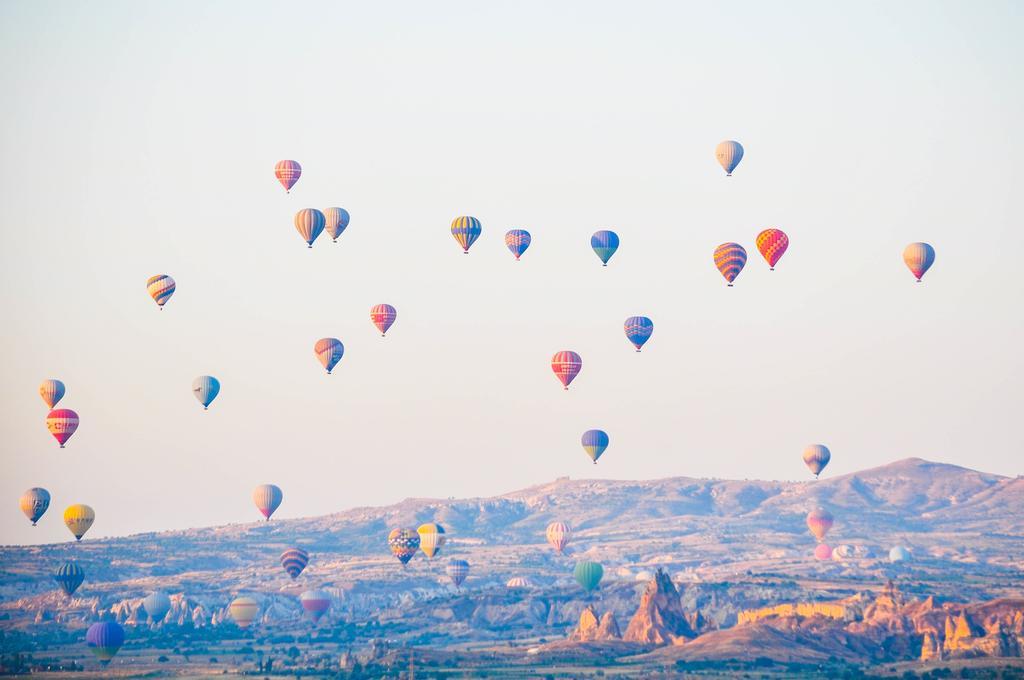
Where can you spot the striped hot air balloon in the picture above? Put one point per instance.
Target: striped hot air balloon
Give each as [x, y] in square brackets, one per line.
[206, 388]
[819, 521]
[267, 498]
[566, 365]
[432, 538]
[730, 258]
[62, 423]
[466, 231]
[403, 544]
[772, 243]
[517, 583]
[457, 571]
[517, 240]
[558, 535]
[382, 316]
[816, 457]
[104, 639]
[594, 443]
[69, 576]
[638, 330]
[588, 574]
[729, 155]
[315, 603]
[287, 173]
[822, 552]
[335, 221]
[157, 605]
[604, 243]
[294, 560]
[78, 518]
[919, 257]
[161, 287]
[34, 503]
[52, 391]
[243, 611]
[309, 222]
[329, 352]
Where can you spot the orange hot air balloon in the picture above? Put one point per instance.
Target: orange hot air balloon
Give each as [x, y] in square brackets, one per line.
[558, 534]
[730, 258]
[819, 521]
[772, 243]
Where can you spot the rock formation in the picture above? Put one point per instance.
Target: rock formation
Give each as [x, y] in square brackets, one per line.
[660, 618]
[590, 629]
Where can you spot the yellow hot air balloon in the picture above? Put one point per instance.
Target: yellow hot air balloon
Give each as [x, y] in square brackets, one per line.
[78, 518]
[244, 611]
[432, 538]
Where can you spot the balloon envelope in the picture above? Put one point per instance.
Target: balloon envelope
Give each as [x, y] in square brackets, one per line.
[309, 222]
[566, 365]
[69, 576]
[315, 603]
[823, 552]
[588, 574]
[466, 231]
[517, 241]
[638, 330]
[594, 443]
[382, 316]
[287, 173]
[52, 391]
[62, 423]
[294, 560]
[161, 287]
[157, 605]
[457, 571]
[104, 639]
[772, 244]
[205, 388]
[558, 535]
[517, 582]
[267, 498]
[899, 554]
[335, 221]
[329, 352]
[78, 518]
[729, 155]
[432, 538]
[819, 521]
[403, 544]
[604, 243]
[730, 258]
[816, 457]
[243, 611]
[34, 503]
[919, 257]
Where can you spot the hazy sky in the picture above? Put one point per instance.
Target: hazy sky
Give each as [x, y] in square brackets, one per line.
[140, 138]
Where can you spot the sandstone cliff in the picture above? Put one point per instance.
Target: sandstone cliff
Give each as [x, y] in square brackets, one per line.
[660, 618]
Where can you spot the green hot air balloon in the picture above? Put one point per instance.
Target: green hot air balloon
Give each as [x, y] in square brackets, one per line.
[588, 575]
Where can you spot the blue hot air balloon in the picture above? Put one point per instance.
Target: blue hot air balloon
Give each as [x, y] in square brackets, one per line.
[594, 443]
[206, 388]
[638, 330]
[604, 243]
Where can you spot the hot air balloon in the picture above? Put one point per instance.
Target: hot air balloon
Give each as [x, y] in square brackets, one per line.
[382, 316]
[899, 554]
[244, 611]
[466, 231]
[638, 330]
[558, 534]
[432, 538]
[819, 521]
[729, 155]
[34, 503]
[919, 257]
[69, 576]
[104, 639]
[157, 605]
[161, 288]
[517, 240]
[403, 543]
[457, 571]
[267, 498]
[309, 222]
[288, 173]
[52, 391]
[78, 518]
[294, 560]
[206, 388]
[517, 582]
[329, 351]
[62, 423]
[730, 258]
[594, 443]
[588, 574]
[604, 243]
[816, 457]
[772, 243]
[842, 552]
[315, 603]
[566, 365]
[335, 221]
[822, 552]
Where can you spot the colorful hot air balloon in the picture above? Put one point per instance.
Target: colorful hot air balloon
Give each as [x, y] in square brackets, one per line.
[267, 498]
[52, 391]
[78, 518]
[558, 535]
[729, 155]
[403, 543]
[34, 503]
[244, 611]
[816, 457]
[161, 287]
[517, 582]
[382, 316]
[206, 388]
[517, 240]
[288, 173]
[294, 560]
[466, 231]
[730, 258]
[457, 571]
[329, 351]
[309, 222]
[899, 554]
[315, 603]
[594, 443]
[772, 243]
[604, 243]
[432, 538]
[69, 576]
[823, 552]
[819, 521]
[104, 639]
[566, 365]
[62, 423]
[842, 552]
[588, 574]
[157, 605]
[638, 330]
[335, 221]
[919, 257]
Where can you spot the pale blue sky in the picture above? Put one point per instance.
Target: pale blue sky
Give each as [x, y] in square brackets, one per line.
[140, 138]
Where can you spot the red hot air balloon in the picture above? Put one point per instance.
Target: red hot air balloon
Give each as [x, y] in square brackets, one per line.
[773, 244]
[315, 603]
[287, 173]
[566, 365]
[62, 423]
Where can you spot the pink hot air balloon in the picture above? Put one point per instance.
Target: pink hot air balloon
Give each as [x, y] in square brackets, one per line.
[288, 173]
[823, 552]
[819, 521]
[315, 603]
[62, 423]
[566, 365]
[382, 316]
